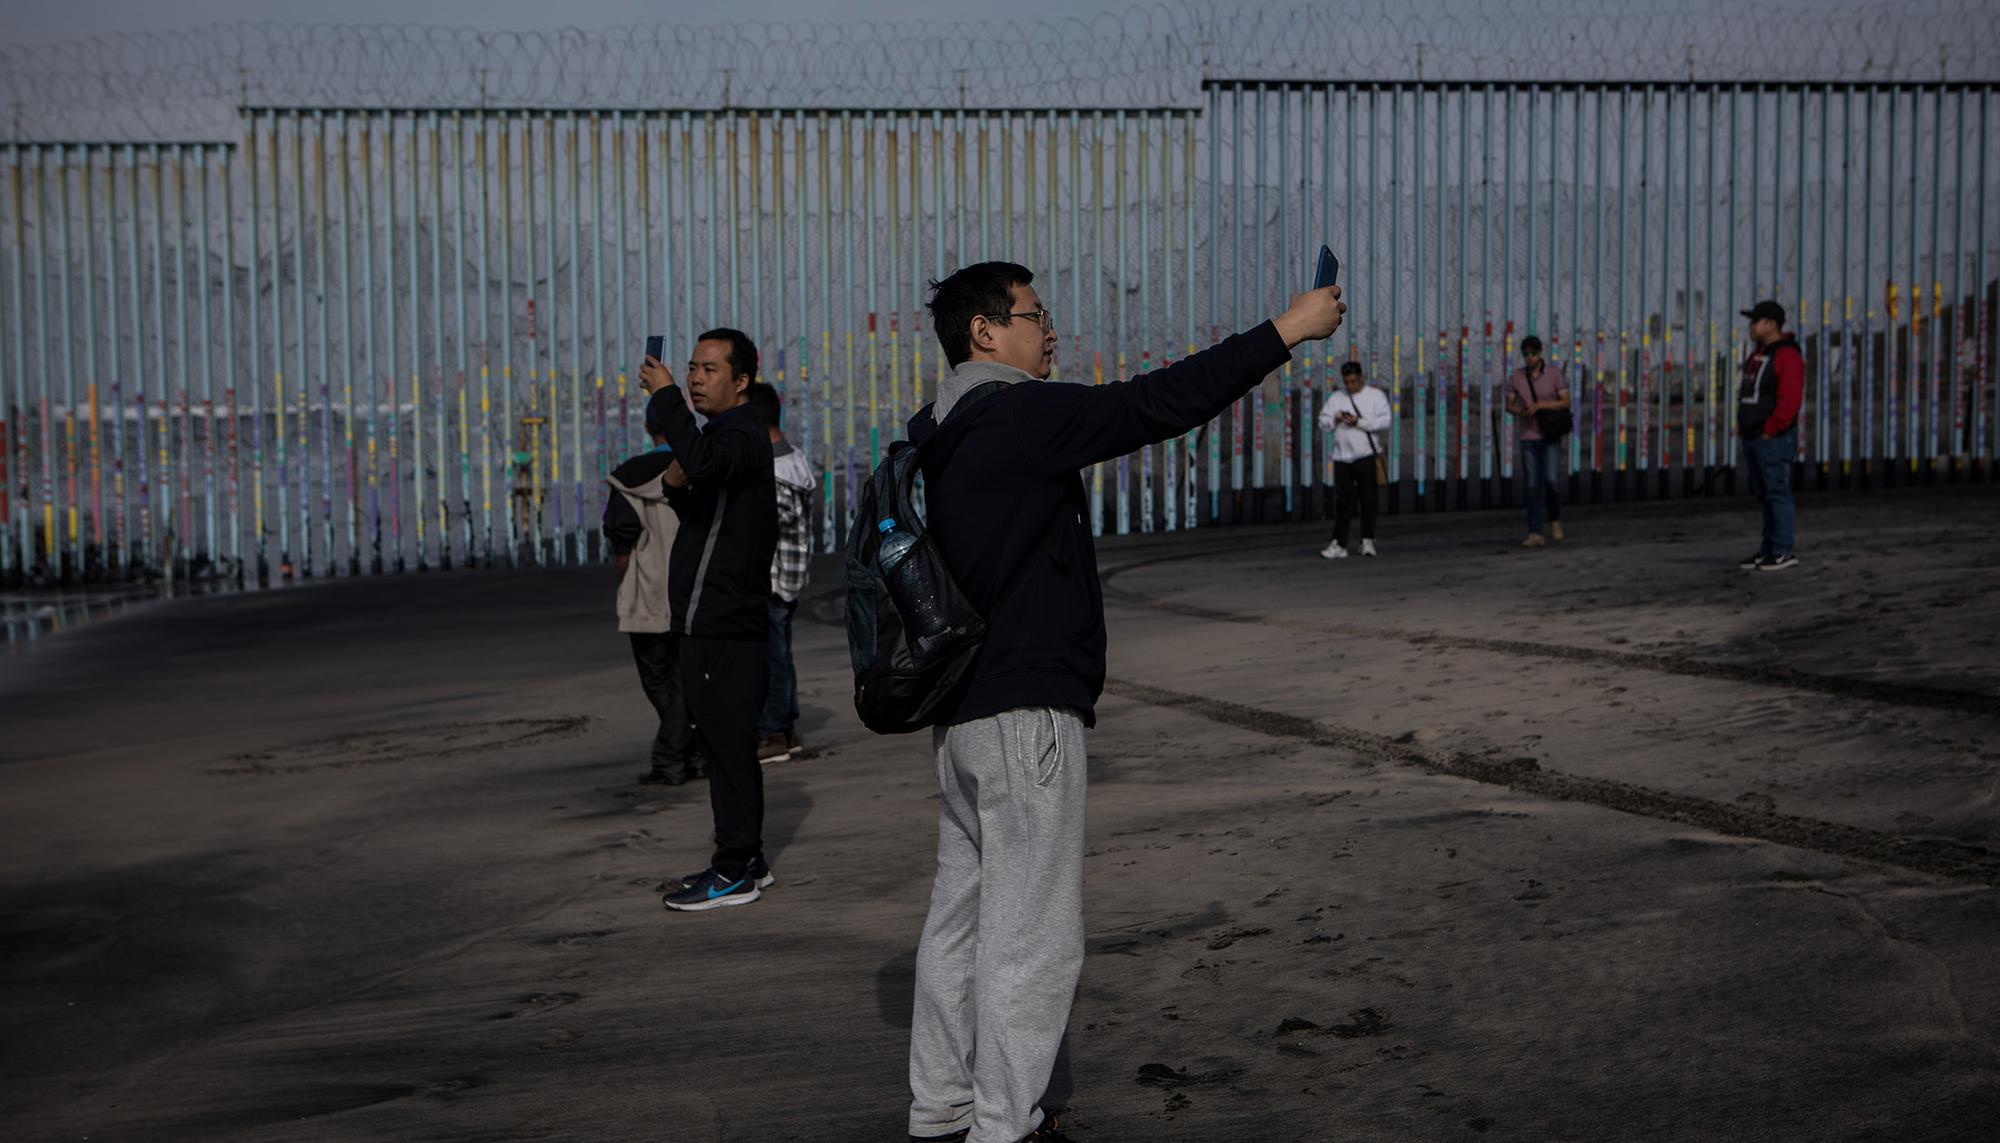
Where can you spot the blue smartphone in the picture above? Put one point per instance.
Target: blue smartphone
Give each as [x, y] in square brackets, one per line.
[1328, 269]
[656, 348]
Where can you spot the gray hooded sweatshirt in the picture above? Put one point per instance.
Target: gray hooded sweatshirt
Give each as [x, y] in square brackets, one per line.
[642, 594]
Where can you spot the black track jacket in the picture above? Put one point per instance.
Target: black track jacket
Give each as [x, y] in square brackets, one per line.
[719, 581]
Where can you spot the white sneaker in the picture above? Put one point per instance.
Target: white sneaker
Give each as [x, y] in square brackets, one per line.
[1367, 547]
[1333, 552]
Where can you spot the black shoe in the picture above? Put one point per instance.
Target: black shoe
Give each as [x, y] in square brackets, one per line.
[658, 776]
[759, 871]
[1750, 563]
[1049, 1132]
[1777, 563]
[955, 1137]
[711, 891]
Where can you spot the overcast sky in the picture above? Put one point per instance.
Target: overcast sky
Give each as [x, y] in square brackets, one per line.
[42, 21]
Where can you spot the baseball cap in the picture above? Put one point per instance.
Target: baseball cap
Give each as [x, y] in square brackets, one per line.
[1765, 309]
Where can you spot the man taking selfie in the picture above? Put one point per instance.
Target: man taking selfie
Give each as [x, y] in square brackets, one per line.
[1002, 948]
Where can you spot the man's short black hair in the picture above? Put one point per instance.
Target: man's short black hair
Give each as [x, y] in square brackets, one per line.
[1350, 368]
[766, 405]
[656, 414]
[981, 288]
[1531, 344]
[742, 351]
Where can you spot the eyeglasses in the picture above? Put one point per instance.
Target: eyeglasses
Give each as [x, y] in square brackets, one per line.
[1041, 316]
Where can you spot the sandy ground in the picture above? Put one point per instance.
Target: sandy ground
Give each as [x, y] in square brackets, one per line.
[1608, 841]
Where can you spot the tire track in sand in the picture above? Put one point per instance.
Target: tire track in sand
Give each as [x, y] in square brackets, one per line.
[1936, 858]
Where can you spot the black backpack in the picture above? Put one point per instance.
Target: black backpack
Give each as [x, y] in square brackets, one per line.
[899, 686]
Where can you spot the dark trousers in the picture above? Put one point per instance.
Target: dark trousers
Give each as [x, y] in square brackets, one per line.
[676, 751]
[781, 700]
[1770, 462]
[1541, 470]
[724, 680]
[1353, 483]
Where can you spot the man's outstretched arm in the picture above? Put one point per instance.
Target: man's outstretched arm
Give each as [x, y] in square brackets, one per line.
[1093, 423]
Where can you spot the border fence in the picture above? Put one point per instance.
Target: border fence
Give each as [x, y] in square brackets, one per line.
[358, 334]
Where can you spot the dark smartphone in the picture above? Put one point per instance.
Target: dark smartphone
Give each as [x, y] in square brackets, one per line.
[1327, 270]
[656, 348]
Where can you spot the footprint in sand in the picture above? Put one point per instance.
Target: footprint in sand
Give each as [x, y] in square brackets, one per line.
[560, 1038]
[1162, 1076]
[537, 1003]
[1224, 940]
[446, 1088]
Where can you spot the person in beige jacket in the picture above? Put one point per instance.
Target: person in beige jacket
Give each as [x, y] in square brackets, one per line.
[640, 527]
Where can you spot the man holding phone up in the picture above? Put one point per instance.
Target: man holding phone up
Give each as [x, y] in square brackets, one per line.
[1002, 947]
[719, 586]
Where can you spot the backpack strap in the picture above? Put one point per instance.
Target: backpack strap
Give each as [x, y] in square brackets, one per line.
[975, 395]
[1050, 541]
[1373, 448]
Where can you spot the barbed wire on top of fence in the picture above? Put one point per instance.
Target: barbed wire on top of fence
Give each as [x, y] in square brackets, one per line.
[185, 86]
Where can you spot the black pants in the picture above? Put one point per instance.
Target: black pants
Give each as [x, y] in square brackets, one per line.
[676, 751]
[725, 680]
[1353, 480]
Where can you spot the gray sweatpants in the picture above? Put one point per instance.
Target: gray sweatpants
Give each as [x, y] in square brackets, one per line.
[1003, 946]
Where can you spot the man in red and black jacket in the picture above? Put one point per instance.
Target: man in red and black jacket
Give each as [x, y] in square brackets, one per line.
[1767, 418]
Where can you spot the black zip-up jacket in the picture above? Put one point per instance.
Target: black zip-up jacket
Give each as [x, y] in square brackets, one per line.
[1001, 469]
[719, 578]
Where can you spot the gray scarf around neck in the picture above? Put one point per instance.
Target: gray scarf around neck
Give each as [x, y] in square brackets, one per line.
[969, 376]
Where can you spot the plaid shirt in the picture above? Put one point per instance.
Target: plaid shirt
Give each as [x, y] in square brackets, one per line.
[795, 485]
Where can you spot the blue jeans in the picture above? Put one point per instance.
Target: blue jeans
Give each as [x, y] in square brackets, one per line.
[1770, 462]
[781, 698]
[1541, 467]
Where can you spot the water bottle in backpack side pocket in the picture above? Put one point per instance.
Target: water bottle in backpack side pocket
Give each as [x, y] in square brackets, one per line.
[916, 601]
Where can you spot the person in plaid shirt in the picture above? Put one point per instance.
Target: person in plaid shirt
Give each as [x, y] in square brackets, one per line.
[778, 726]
